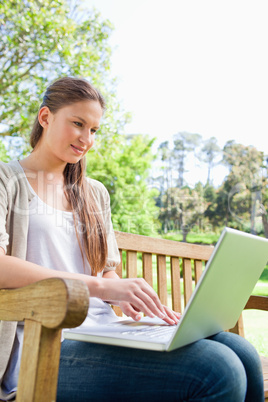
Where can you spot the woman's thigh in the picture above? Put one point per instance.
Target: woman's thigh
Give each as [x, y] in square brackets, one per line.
[206, 370]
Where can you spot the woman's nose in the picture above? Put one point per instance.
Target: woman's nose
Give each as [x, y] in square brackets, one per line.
[87, 138]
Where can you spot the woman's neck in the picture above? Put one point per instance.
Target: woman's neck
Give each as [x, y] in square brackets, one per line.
[40, 162]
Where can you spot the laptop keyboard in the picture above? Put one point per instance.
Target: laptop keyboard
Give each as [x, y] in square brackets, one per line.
[159, 331]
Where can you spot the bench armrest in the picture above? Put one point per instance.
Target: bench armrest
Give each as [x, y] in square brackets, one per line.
[46, 307]
[54, 302]
[257, 302]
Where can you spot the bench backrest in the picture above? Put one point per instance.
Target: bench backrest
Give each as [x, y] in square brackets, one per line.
[169, 264]
[162, 263]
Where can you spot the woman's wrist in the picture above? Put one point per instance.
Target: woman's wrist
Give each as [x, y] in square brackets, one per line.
[95, 286]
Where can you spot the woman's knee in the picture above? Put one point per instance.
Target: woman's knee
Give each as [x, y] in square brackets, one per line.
[223, 377]
[250, 360]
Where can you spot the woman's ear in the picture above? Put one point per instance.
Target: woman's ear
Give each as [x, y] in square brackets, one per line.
[43, 116]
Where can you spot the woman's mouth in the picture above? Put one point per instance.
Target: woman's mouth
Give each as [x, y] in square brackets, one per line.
[77, 150]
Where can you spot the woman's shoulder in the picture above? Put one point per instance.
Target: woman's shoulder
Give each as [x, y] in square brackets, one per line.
[9, 170]
[100, 191]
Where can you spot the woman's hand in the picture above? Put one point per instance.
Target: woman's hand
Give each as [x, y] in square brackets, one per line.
[171, 318]
[135, 296]
[137, 292]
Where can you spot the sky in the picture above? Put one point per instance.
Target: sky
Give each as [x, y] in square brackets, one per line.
[199, 66]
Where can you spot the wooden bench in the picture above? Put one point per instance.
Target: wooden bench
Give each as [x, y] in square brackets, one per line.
[174, 258]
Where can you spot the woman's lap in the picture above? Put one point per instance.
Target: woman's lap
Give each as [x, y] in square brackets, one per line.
[208, 370]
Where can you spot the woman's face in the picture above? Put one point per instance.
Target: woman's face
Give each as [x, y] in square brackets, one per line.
[70, 133]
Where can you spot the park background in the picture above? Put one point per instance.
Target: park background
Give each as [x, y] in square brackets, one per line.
[183, 145]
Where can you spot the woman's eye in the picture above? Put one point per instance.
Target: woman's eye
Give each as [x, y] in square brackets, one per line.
[93, 131]
[78, 124]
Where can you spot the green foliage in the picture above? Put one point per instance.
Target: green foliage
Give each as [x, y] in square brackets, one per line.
[264, 276]
[41, 41]
[3, 153]
[122, 164]
[243, 186]
[240, 202]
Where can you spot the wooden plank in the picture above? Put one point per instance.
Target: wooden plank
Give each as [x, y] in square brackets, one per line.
[257, 302]
[175, 284]
[66, 306]
[131, 264]
[239, 327]
[133, 242]
[117, 311]
[264, 362]
[48, 367]
[197, 270]
[41, 347]
[147, 266]
[119, 268]
[27, 374]
[187, 280]
[162, 279]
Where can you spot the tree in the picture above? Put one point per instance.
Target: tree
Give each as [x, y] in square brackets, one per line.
[165, 180]
[122, 164]
[244, 182]
[183, 143]
[166, 157]
[41, 41]
[183, 212]
[209, 153]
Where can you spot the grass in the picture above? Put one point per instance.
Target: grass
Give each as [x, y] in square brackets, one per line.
[198, 238]
[256, 321]
[256, 329]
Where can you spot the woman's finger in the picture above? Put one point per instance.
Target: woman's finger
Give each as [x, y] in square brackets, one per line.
[172, 317]
[130, 311]
[147, 305]
[146, 293]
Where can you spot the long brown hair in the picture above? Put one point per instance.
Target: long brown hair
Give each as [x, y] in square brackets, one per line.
[79, 193]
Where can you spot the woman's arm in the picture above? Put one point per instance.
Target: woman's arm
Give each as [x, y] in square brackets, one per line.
[15, 273]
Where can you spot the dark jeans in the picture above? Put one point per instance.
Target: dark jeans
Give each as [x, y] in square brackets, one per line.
[224, 367]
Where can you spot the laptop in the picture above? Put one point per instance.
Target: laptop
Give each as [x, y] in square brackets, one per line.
[222, 292]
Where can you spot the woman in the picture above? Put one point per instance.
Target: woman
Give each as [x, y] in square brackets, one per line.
[56, 223]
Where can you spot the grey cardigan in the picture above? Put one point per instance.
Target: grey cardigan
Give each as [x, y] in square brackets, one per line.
[15, 196]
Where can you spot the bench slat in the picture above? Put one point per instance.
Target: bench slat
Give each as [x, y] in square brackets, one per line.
[119, 268]
[133, 242]
[198, 266]
[131, 264]
[162, 279]
[187, 275]
[175, 284]
[264, 361]
[239, 327]
[119, 271]
[147, 265]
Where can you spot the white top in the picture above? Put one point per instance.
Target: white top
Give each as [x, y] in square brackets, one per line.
[52, 243]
